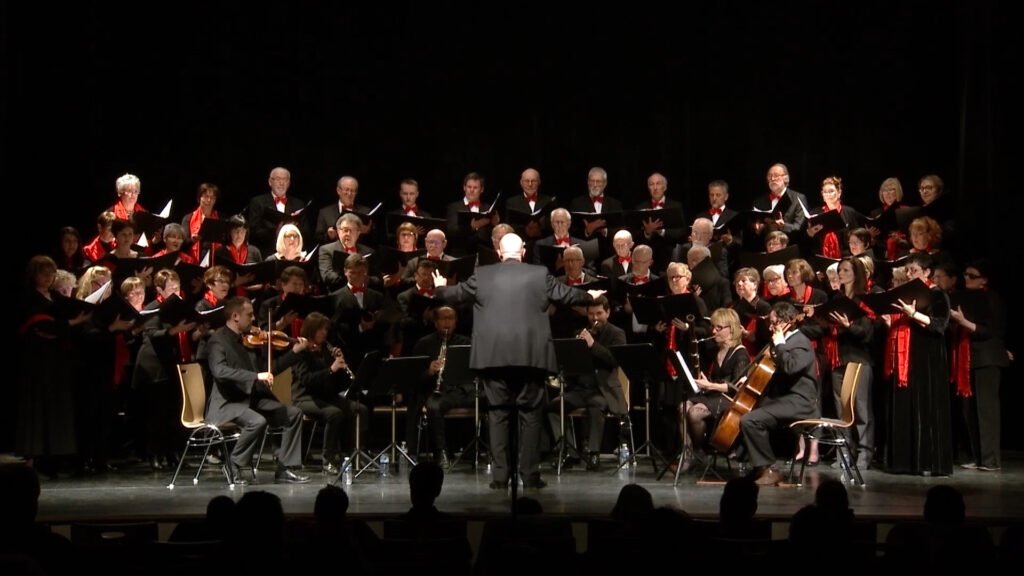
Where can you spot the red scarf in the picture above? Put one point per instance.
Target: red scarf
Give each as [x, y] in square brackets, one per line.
[121, 213]
[194, 223]
[240, 254]
[897, 350]
[671, 346]
[960, 362]
[209, 297]
[830, 243]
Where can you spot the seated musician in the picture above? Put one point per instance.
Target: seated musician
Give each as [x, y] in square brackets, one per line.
[726, 368]
[599, 393]
[440, 395]
[321, 378]
[791, 394]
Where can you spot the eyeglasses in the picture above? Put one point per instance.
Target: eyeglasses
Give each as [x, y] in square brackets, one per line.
[676, 277]
[291, 235]
[130, 192]
[971, 275]
[221, 281]
[719, 327]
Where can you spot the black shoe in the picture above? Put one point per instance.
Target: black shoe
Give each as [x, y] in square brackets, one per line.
[495, 485]
[593, 461]
[535, 484]
[237, 479]
[286, 475]
[329, 467]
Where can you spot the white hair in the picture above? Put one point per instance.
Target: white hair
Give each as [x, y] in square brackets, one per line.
[128, 181]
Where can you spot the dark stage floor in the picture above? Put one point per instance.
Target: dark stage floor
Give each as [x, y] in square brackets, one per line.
[135, 492]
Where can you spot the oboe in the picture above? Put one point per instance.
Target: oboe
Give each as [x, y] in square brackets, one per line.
[441, 357]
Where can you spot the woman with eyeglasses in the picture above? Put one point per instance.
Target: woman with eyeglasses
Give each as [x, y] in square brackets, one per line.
[979, 354]
[289, 244]
[890, 193]
[700, 412]
[916, 364]
[936, 205]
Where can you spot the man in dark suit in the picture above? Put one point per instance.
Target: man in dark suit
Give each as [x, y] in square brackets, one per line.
[654, 233]
[529, 202]
[241, 394]
[356, 312]
[466, 240]
[784, 205]
[329, 257]
[512, 348]
[346, 188]
[596, 201]
[792, 392]
[560, 237]
[262, 228]
[599, 392]
[726, 228]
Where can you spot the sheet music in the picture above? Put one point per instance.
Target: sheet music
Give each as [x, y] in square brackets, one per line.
[166, 212]
[686, 370]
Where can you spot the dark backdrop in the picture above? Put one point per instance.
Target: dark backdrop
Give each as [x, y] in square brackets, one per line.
[180, 95]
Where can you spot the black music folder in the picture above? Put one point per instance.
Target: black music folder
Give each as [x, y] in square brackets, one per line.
[761, 260]
[459, 268]
[216, 230]
[670, 217]
[841, 304]
[149, 223]
[651, 289]
[125, 267]
[705, 274]
[270, 214]
[830, 221]
[173, 310]
[549, 254]
[882, 302]
[466, 216]
[304, 305]
[386, 260]
[651, 310]
[421, 303]
[520, 218]
[367, 217]
[265, 272]
[594, 283]
[426, 224]
[612, 220]
[116, 307]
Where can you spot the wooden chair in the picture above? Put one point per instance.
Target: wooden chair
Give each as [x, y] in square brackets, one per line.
[204, 435]
[625, 424]
[282, 390]
[832, 431]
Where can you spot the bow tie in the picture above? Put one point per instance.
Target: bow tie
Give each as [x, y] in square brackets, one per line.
[280, 200]
[349, 208]
[426, 291]
[574, 282]
[474, 204]
[639, 280]
[434, 258]
[773, 197]
[411, 210]
[530, 197]
[715, 211]
[658, 204]
[564, 240]
[597, 199]
[352, 250]
[624, 259]
[357, 290]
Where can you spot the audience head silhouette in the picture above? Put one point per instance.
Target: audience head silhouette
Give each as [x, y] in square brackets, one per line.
[331, 506]
[739, 500]
[425, 481]
[944, 505]
[633, 505]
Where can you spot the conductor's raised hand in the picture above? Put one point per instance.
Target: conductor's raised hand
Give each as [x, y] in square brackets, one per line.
[439, 280]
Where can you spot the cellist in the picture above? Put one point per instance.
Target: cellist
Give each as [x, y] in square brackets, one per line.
[791, 395]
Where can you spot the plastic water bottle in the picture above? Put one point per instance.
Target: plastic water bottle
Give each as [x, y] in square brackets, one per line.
[346, 471]
[398, 463]
[384, 466]
[624, 453]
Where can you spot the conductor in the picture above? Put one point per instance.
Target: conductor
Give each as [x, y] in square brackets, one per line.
[512, 349]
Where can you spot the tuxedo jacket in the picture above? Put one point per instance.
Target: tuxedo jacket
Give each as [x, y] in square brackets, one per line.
[510, 321]
[235, 369]
[328, 216]
[331, 276]
[263, 232]
[793, 216]
[465, 240]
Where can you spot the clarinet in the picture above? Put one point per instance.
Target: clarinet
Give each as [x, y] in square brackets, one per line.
[441, 357]
[336, 353]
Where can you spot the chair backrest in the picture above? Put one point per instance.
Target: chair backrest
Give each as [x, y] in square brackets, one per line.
[851, 379]
[283, 387]
[193, 395]
[624, 382]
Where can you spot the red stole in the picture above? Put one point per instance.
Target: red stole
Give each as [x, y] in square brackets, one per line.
[194, 223]
[240, 255]
[960, 362]
[184, 339]
[671, 346]
[897, 350]
[121, 213]
[830, 243]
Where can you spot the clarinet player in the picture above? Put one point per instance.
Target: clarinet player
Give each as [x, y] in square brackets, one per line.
[443, 394]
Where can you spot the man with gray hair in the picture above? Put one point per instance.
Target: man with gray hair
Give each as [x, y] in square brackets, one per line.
[267, 211]
[512, 351]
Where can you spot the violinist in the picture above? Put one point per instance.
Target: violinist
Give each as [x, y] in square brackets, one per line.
[321, 378]
[791, 395]
[241, 394]
[726, 368]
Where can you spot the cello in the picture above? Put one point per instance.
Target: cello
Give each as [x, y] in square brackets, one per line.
[749, 390]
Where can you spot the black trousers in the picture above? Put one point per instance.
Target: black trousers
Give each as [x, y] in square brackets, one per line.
[981, 412]
[575, 398]
[333, 416]
[440, 404]
[772, 413]
[521, 389]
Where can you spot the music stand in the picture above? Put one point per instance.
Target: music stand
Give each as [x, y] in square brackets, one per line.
[358, 388]
[574, 359]
[456, 369]
[640, 360]
[397, 376]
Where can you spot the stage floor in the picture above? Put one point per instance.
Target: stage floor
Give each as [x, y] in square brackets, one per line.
[135, 493]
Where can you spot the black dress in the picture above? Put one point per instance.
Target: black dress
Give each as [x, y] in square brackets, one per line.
[734, 367]
[920, 427]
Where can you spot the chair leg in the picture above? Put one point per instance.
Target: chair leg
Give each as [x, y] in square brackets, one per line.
[309, 445]
[181, 461]
[259, 453]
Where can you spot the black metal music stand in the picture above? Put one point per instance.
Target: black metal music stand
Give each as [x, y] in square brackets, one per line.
[397, 376]
[639, 361]
[456, 369]
[574, 359]
[356, 390]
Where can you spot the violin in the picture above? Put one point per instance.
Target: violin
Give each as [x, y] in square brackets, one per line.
[277, 339]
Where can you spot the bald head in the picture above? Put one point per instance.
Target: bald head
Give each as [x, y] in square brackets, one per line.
[511, 247]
